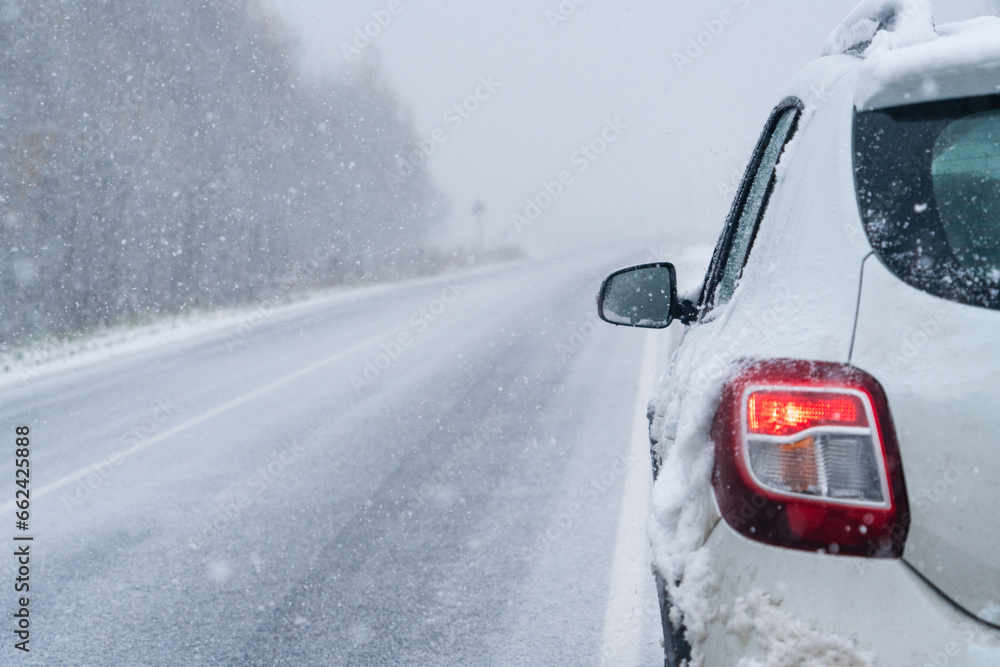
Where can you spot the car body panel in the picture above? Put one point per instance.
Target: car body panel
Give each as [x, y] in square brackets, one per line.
[807, 208]
[772, 602]
[813, 194]
[937, 361]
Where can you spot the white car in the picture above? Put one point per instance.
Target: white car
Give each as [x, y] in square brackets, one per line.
[826, 443]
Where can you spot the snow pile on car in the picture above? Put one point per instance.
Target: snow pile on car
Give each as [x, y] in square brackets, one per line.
[909, 59]
[788, 641]
[882, 25]
[963, 60]
[683, 513]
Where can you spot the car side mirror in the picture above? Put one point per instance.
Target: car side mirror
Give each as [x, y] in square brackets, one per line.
[643, 296]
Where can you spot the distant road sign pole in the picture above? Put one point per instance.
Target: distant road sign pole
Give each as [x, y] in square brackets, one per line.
[477, 210]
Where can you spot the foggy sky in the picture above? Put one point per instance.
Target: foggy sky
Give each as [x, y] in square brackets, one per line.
[682, 130]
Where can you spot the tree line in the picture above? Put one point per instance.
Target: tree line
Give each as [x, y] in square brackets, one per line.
[157, 157]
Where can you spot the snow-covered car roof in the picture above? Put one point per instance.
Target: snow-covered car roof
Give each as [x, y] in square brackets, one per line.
[906, 58]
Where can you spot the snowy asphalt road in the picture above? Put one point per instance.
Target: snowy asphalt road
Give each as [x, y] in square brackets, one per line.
[265, 507]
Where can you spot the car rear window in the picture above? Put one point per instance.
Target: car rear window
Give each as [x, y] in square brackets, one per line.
[928, 184]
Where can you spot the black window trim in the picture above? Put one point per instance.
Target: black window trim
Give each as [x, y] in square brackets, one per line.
[722, 248]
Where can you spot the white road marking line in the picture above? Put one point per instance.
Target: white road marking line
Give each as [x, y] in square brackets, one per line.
[627, 612]
[180, 428]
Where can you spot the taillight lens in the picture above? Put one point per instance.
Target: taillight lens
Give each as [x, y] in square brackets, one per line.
[788, 412]
[806, 457]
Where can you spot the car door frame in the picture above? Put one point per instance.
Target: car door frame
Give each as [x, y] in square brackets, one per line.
[724, 244]
[677, 650]
[723, 247]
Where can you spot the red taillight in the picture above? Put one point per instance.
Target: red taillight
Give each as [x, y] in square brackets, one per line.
[786, 412]
[806, 457]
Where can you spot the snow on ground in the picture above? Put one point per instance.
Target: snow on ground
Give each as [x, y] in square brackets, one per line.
[508, 561]
[44, 357]
[52, 355]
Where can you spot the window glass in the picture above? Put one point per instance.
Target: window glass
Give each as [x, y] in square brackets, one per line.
[753, 208]
[966, 177]
[928, 184]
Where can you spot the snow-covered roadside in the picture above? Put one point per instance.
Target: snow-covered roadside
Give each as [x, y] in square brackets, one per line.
[632, 617]
[24, 363]
[51, 355]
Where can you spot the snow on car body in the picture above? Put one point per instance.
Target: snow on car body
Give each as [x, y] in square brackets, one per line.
[859, 267]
